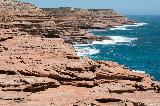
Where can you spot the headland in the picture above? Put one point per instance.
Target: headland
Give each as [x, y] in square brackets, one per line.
[40, 67]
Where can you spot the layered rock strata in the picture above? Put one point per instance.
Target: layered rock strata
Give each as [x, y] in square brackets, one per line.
[38, 68]
[47, 71]
[68, 23]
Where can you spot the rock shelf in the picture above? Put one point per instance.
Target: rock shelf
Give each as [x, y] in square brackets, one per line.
[40, 67]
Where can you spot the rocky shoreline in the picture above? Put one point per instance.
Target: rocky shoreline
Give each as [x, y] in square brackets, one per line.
[40, 67]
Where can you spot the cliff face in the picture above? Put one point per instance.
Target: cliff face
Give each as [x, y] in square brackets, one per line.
[10, 8]
[38, 68]
[93, 18]
[47, 71]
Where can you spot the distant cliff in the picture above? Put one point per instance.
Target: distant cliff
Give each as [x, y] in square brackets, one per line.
[95, 18]
[66, 22]
[9, 8]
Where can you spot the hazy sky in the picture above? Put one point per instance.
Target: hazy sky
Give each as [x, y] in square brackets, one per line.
[128, 7]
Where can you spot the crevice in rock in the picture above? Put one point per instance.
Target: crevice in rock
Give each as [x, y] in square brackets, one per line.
[138, 104]
[28, 74]
[8, 72]
[40, 87]
[122, 91]
[4, 39]
[13, 99]
[108, 100]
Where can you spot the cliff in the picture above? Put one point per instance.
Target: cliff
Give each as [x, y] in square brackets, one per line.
[39, 68]
[10, 8]
[87, 18]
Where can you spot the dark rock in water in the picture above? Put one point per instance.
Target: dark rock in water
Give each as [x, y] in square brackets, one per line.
[86, 40]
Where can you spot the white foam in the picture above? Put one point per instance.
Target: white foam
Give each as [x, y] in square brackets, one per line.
[138, 71]
[86, 51]
[119, 28]
[121, 39]
[125, 27]
[137, 24]
[97, 30]
[114, 40]
[104, 42]
[81, 45]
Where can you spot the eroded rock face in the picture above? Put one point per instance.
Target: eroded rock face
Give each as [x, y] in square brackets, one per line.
[37, 67]
[47, 71]
[10, 8]
[26, 83]
[67, 23]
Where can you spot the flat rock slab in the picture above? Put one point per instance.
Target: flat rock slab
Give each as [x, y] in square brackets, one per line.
[26, 83]
[40, 71]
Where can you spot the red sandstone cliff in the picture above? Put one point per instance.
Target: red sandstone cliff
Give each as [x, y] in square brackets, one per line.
[38, 70]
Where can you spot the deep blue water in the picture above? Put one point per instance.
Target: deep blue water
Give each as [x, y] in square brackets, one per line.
[136, 47]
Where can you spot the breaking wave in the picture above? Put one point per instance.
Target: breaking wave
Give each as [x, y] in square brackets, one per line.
[125, 27]
[138, 71]
[115, 40]
[81, 45]
[86, 51]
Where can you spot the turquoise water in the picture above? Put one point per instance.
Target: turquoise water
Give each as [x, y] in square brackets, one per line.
[136, 46]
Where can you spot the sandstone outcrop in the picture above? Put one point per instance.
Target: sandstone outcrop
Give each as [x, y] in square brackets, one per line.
[68, 23]
[47, 71]
[38, 67]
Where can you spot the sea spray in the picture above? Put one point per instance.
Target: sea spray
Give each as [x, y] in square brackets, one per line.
[115, 40]
[127, 27]
[86, 51]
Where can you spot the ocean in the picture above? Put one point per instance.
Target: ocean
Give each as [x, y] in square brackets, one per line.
[134, 46]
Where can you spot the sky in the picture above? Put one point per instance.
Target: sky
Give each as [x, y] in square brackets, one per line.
[126, 7]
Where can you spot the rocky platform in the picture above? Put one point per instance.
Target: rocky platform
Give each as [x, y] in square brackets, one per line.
[39, 67]
[71, 24]
[46, 71]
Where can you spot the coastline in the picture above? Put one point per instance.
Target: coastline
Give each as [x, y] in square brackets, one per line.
[39, 65]
[80, 47]
[108, 40]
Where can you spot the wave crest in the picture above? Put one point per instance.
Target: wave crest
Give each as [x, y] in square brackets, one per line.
[114, 40]
[86, 51]
[125, 27]
[138, 71]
